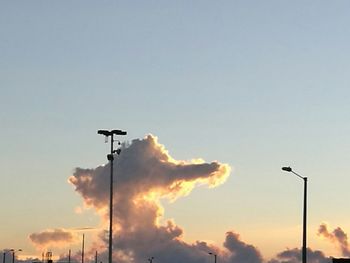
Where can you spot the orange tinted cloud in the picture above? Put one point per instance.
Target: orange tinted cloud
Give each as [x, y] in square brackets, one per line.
[144, 174]
[55, 237]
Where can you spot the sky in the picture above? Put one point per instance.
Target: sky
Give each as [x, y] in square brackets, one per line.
[247, 85]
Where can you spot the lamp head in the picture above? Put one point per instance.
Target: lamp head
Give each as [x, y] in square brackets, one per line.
[104, 132]
[287, 169]
[118, 132]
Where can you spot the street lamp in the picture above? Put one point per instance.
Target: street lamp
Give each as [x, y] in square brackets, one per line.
[4, 255]
[13, 254]
[210, 253]
[303, 254]
[110, 158]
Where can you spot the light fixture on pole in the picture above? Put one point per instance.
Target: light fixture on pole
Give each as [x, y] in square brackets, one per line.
[303, 253]
[110, 158]
[210, 253]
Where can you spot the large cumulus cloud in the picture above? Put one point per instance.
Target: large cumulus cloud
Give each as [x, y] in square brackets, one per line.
[145, 173]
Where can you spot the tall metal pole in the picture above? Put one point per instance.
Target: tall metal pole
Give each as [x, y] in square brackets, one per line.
[304, 221]
[4, 257]
[304, 249]
[69, 254]
[13, 256]
[111, 158]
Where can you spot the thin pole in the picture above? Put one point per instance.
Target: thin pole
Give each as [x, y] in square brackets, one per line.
[96, 257]
[69, 253]
[111, 205]
[13, 256]
[304, 221]
[3, 257]
[82, 249]
[215, 258]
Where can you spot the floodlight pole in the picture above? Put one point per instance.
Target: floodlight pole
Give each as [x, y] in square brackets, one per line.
[110, 158]
[304, 251]
[110, 244]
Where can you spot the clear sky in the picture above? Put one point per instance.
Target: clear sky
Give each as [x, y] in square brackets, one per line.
[254, 84]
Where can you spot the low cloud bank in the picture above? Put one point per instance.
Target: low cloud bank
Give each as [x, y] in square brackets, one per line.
[53, 238]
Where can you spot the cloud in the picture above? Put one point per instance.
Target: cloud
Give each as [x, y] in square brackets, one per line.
[240, 251]
[145, 173]
[337, 236]
[294, 256]
[55, 237]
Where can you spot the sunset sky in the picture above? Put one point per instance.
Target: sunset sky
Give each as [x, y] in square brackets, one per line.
[222, 93]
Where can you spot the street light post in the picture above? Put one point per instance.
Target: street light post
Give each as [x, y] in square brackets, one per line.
[13, 254]
[303, 254]
[210, 253]
[110, 158]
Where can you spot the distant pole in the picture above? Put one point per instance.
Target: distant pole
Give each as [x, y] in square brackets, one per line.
[82, 249]
[304, 220]
[210, 253]
[304, 249]
[69, 253]
[110, 158]
[96, 257]
[4, 257]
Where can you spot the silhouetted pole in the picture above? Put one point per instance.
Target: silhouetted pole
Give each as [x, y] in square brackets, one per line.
[13, 254]
[303, 251]
[96, 257]
[210, 253]
[4, 257]
[82, 249]
[110, 158]
[69, 253]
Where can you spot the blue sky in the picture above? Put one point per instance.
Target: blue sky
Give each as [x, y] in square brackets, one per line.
[255, 84]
